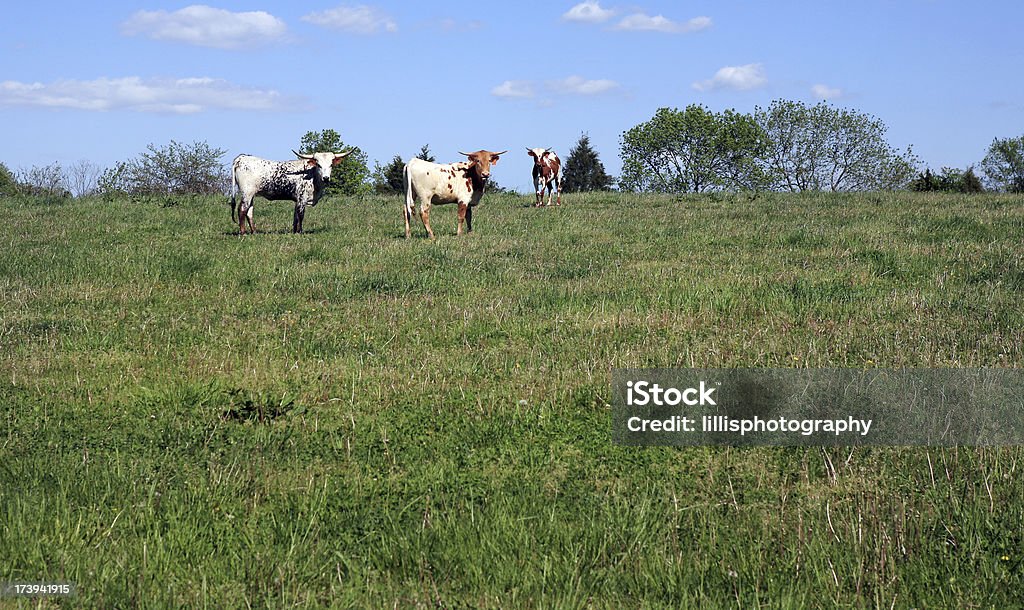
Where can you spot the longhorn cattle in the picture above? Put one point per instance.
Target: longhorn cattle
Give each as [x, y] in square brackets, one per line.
[301, 180]
[547, 173]
[434, 183]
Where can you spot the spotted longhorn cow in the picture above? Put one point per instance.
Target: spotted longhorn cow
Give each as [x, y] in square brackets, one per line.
[434, 183]
[547, 174]
[301, 180]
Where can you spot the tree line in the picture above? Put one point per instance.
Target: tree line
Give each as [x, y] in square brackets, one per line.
[788, 146]
[792, 147]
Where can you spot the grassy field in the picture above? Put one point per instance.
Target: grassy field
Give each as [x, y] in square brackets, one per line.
[349, 419]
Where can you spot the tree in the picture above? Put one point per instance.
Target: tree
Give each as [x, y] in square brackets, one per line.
[425, 154]
[390, 178]
[174, 169]
[43, 181]
[823, 148]
[950, 180]
[583, 169]
[692, 150]
[81, 178]
[350, 176]
[1003, 165]
[8, 185]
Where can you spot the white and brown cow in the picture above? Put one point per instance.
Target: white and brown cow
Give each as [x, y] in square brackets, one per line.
[547, 174]
[433, 183]
[301, 180]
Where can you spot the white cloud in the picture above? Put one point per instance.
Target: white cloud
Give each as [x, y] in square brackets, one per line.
[577, 85]
[641, 22]
[358, 19]
[571, 85]
[824, 92]
[588, 12]
[741, 78]
[513, 88]
[174, 96]
[207, 27]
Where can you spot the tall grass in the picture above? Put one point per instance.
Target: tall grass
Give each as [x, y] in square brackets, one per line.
[347, 418]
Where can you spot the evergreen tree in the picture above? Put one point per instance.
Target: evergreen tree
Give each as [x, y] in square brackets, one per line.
[951, 180]
[583, 169]
[425, 154]
[390, 178]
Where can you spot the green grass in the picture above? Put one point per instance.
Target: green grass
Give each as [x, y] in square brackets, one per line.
[349, 419]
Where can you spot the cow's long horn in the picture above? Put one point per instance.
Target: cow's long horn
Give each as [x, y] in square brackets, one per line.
[302, 156]
[465, 154]
[501, 153]
[344, 154]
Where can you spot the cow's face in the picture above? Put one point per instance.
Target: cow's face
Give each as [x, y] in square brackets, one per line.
[482, 160]
[323, 162]
[540, 155]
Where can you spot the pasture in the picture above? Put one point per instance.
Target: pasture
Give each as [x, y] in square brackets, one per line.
[347, 418]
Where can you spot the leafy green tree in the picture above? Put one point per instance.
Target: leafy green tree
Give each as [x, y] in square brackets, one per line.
[8, 185]
[112, 182]
[583, 169]
[390, 178]
[1003, 165]
[43, 181]
[174, 169]
[693, 150]
[824, 148]
[350, 177]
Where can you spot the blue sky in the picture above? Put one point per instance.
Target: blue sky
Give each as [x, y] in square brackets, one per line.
[100, 81]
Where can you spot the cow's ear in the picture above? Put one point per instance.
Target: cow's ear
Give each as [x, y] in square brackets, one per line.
[311, 162]
[337, 160]
[494, 159]
[531, 153]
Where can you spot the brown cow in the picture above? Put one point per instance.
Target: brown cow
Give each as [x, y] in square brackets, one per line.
[547, 173]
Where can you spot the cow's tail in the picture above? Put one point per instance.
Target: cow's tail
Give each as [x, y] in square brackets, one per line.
[234, 190]
[410, 201]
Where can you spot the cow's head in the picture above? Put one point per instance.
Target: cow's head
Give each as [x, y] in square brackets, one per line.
[323, 161]
[481, 162]
[540, 155]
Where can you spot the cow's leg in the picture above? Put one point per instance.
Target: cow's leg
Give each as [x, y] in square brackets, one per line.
[407, 212]
[300, 213]
[243, 212]
[558, 185]
[425, 217]
[252, 227]
[462, 218]
[469, 219]
[550, 192]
